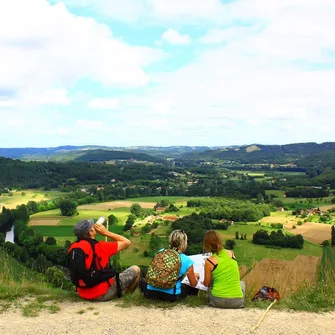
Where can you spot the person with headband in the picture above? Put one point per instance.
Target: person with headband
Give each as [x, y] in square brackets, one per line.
[222, 275]
[178, 242]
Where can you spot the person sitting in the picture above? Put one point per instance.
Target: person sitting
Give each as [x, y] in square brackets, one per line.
[128, 279]
[222, 276]
[178, 242]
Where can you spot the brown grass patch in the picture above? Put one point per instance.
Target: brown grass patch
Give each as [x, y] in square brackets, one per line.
[325, 208]
[278, 219]
[252, 148]
[44, 222]
[285, 276]
[117, 204]
[312, 231]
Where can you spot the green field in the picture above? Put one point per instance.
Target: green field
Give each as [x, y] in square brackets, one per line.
[14, 198]
[247, 252]
[315, 202]
[158, 199]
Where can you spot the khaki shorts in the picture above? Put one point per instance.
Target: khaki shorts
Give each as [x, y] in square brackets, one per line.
[127, 277]
[225, 302]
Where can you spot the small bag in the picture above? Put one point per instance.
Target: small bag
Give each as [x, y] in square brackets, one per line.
[266, 293]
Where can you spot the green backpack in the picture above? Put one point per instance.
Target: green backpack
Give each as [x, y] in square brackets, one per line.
[163, 271]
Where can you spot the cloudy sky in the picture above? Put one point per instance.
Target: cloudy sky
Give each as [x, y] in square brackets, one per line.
[166, 72]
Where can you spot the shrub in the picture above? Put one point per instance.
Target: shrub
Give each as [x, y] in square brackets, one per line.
[325, 243]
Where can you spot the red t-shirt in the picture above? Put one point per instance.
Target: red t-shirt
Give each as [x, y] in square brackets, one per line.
[103, 250]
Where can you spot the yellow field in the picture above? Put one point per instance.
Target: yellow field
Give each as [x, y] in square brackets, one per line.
[311, 231]
[325, 208]
[23, 197]
[279, 217]
[44, 222]
[116, 204]
[285, 276]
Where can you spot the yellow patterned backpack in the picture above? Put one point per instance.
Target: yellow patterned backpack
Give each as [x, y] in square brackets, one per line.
[163, 271]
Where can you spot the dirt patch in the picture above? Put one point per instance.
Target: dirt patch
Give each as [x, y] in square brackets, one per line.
[285, 276]
[311, 231]
[44, 222]
[117, 204]
[108, 318]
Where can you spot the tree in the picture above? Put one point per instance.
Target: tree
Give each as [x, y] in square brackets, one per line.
[136, 209]
[130, 221]
[236, 235]
[333, 235]
[230, 244]
[21, 213]
[68, 207]
[50, 240]
[112, 220]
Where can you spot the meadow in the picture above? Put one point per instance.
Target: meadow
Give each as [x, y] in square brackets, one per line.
[246, 252]
[14, 198]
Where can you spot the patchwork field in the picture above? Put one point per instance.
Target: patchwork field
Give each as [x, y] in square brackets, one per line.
[116, 204]
[312, 231]
[284, 275]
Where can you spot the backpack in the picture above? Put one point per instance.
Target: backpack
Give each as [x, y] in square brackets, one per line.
[163, 271]
[85, 271]
[266, 293]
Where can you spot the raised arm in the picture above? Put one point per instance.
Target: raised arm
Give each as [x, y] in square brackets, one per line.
[122, 242]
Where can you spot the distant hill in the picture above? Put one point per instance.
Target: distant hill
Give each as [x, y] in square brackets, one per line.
[110, 155]
[67, 153]
[301, 154]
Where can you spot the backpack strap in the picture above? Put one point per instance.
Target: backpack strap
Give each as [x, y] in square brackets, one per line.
[182, 276]
[93, 266]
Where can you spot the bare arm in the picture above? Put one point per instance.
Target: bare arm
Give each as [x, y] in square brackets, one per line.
[208, 271]
[192, 276]
[122, 242]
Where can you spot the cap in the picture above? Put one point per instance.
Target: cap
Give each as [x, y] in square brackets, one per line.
[83, 227]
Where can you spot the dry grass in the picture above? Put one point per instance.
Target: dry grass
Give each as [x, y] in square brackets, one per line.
[117, 204]
[311, 231]
[44, 222]
[286, 276]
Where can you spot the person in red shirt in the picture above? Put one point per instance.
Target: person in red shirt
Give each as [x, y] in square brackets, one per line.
[129, 279]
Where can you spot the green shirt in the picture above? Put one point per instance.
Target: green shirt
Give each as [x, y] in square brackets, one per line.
[226, 277]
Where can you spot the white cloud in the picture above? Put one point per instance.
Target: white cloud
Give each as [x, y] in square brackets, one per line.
[89, 125]
[7, 103]
[174, 37]
[103, 103]
[46, 46]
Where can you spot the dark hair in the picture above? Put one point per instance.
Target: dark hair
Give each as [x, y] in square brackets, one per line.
[212, 242]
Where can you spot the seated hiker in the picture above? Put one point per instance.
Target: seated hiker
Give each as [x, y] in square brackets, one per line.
[222, 275]
[167, 269]
[95, 280]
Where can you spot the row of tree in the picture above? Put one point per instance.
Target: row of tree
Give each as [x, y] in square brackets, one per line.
[278, 239]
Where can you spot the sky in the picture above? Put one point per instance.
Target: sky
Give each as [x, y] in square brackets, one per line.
[166, 72]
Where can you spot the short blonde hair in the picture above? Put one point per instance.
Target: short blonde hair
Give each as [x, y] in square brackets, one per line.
[212, 242]
[178, 240]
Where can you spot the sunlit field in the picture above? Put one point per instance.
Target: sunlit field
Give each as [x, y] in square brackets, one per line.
[12, 199]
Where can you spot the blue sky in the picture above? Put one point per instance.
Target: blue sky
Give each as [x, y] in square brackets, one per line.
[158, 72]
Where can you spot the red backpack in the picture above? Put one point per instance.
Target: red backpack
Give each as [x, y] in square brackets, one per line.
[84, 268]
[266, 293]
